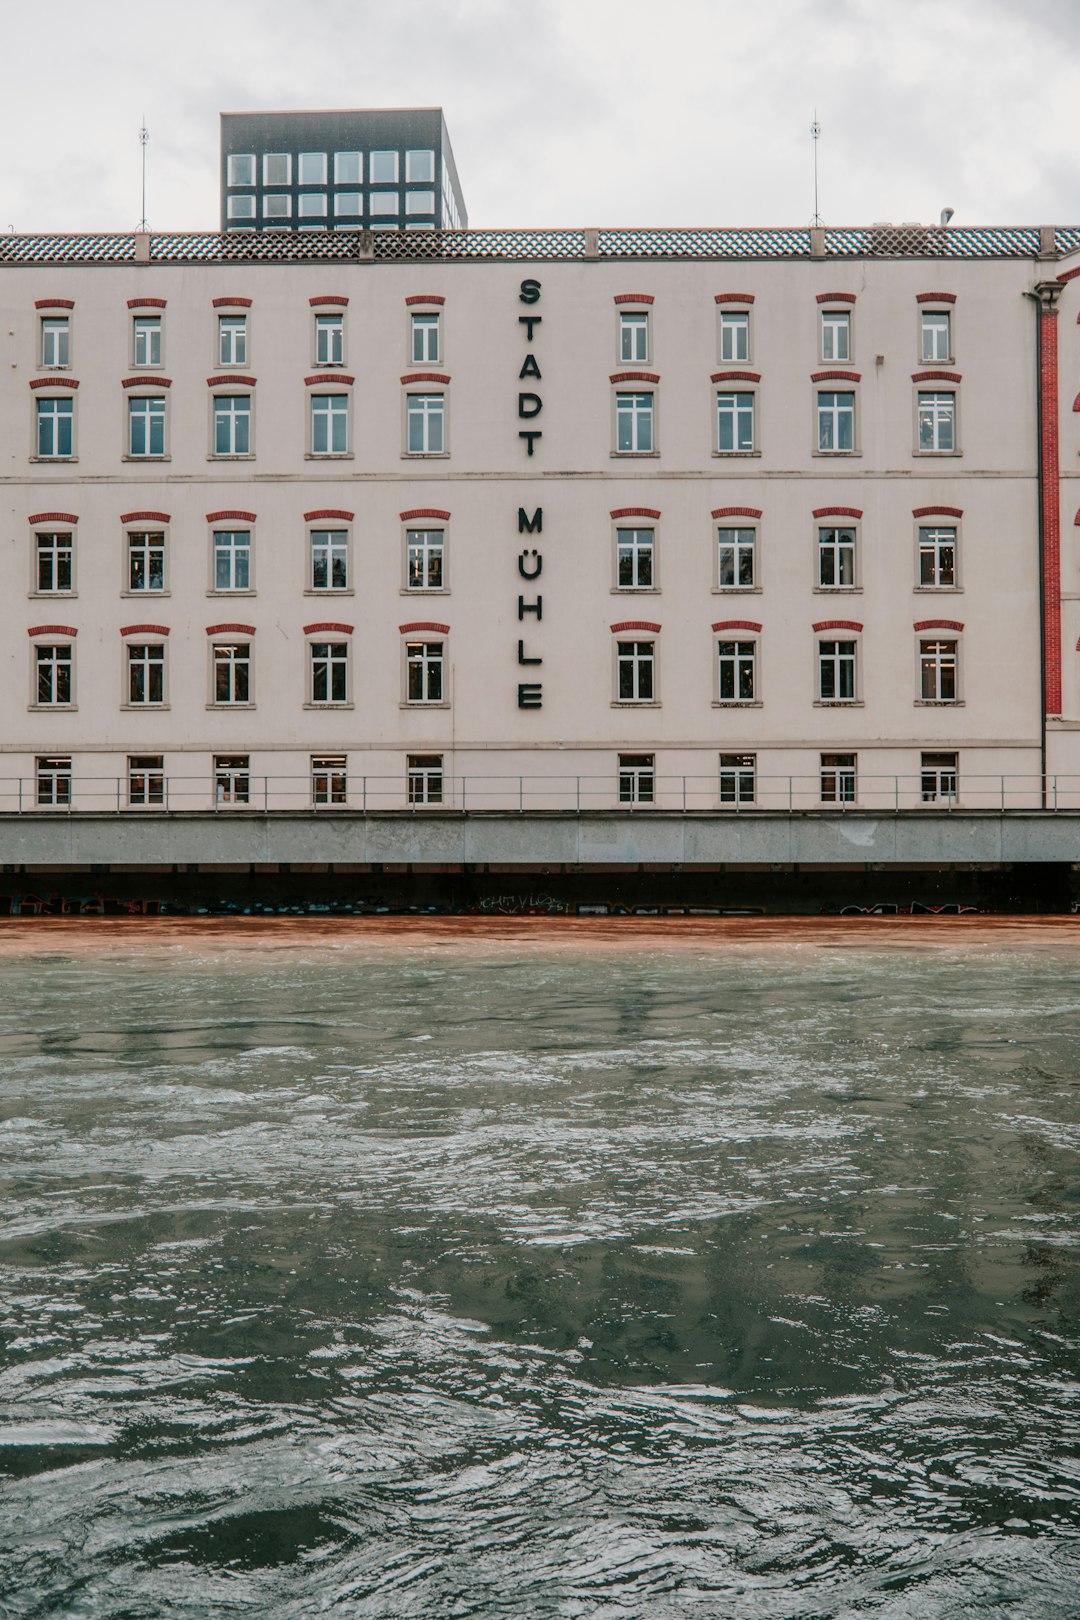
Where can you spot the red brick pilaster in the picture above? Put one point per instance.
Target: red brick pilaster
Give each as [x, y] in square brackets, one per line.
[1050, 480]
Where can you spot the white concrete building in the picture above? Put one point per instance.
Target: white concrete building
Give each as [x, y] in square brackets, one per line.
[714, 521]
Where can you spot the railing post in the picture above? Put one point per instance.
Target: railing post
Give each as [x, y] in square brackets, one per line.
[1055, 790]
[464, 792]
[168, 780]
[790, 793]
[363, 793]
[896, 795]
[577, 793]
[1003, 792]
[20, 795]
[521, 792]
[118, 795]
[266, 795]
[684, 793]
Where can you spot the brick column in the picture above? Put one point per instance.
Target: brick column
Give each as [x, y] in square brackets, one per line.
[1048, 294]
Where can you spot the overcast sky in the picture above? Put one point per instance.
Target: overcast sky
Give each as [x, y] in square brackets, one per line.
[565, 112]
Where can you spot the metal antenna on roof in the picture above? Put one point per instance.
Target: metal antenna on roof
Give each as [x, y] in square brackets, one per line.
[815, 136]
[144, 142]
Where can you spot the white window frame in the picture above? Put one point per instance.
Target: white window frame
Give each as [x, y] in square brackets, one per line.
[637, 778]
[55, 343]
[939, 537]
[736, 664]
[314, 161]
[332, 412]
[733, 337]
[147, 342]
[425, 337]
[930, 330]
[329, 779]
[330, 547]
[311, 205]
[743, 403]
[156, 410]
[836, 336]
[836, 554]
[425, 778]
[61, 413]
[151, 547]
[742, 545]
[235, 553]
[938, 656]
[382, 204]
[57, 660]
[939, 777]
[236, 414]
[837, 667]
[241, 207]
[232, 779]
[232, 343]
[838, 778]
[149, 666]
[427, 669]
[233, 172]
[634, 544]
[329, 337]
[340, 163]
[336, 656]
[375, 179]
[634, 347]
[145, 780]
[277, 205]
[60, 551]
[232, 673]
[420, 202]
[426, 423]
[52, 781]
[635, 422]
[283, 158]
[834, 409]
[738, 780]
[934, 408]
[428, 176]
[423, 546]
[636, 668]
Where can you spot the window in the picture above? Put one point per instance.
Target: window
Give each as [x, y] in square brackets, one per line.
[736, 671]
[240, 169]
[146, 340]
[348, 168]
[277, 205]
[277, 169]
[146, 560]
[311, 205]
[329, 560]
[146, 779]
[938, 778]
[424, 415]
[937, 422]
[232, 559]
[936, 334]
[634, 424]
[420, 202]
[735, 423]
[349, 202]
[53, 669]
[232, 424]
[232, 340]
[383, 168]
[232, 779]
[835, 334]
[329, 424]
[837, 778]
[635, 669]
[937, 671]
[53, 779]
[232, 671]
[836, 422]
[419, 166]
[424, 671]
[329, 340]
[634, 336]
[146, 672]
[425, 778]
[637, 778]
[55, 340]
[425, 559]
[55, 427]
[53, 558]
[738, 774]
[937, 558]
[836, 671]
[735, 335]
[425, 338]
[735, 559]
[836, 559]
[241, 207]
[634, 557]
[384, 202]
[329, 779]
[146, 425]
[329, 672]
[312, 169]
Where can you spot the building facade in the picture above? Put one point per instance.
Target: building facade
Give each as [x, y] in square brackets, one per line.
[582, 522]
[379, 168]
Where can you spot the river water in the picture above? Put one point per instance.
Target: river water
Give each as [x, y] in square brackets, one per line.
[539, 1269]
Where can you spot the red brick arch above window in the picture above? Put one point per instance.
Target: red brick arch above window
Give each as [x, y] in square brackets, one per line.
[735, 376]
[636, 511]
[736, 511]
[634, 298]
[233, 377]
[935, 298]
[321, 378]
[328, 512]
[835, 376]
[425, 298]
[328, 298]
[219, 629]
[52, 630]
[315, 629]
[423, 624]
[52, 517]
[937, 624]
[229, 513]
[734, 298]
[144, 629]
[634, 624]
[941, 511]
[936, 376]
[145, 382]
[635, 376]
[837, 511]
[837, 624]
[146, 303]
[836, 298]
[232, 303]
[54, 303]
[426, 376]
[424, 512]
[140, 517]
[53, 382]
[737, 624]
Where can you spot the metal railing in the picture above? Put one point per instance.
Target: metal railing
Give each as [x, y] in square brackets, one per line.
[255, 792]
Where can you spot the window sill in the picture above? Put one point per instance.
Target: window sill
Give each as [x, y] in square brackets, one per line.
[737, 703]
[146, 458]
[635, 703]
[329, 455]
[939, 703]
[634, 590]
[50, 708]
[424, 590]
[52, 460]
[736, 455]
[635, 455]
[144, 708]
[329, 590]
[836, 455]
[329, 705]
[246, 591]
[937, 455]
[839, 703]
[425, 455]
[736, 590]
[838, 590]
[230, 706]
[52, 596]
[421, 703]
[150, 370]
[416, 364]
[938, 590]
[143, 596]
[247, 455]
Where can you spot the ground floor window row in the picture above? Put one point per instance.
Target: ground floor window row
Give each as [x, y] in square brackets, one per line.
[326, 560]
[732, 781]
